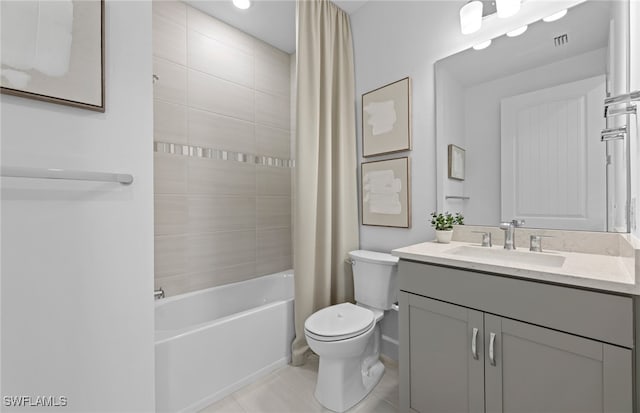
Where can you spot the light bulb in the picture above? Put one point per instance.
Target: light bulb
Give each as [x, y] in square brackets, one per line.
[555, 16]
[507, 8]
[482, 45]
[471, 17]
[242, 4]
[518, 31]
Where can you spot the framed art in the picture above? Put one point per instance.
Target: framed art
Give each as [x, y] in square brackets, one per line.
[456, 162]
[386, 119]
[54, 51]
[385, 193]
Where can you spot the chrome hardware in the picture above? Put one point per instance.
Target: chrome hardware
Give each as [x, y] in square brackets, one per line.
[627, 110]
[626, 98]
[456, 197]
[509, 229]
[158, 294]
[486, 238]
[492, 344]
[55, 173]
[535, 242]
[613, 134]
[474, 341]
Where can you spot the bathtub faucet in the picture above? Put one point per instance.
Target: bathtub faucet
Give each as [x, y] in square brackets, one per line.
[158, 294]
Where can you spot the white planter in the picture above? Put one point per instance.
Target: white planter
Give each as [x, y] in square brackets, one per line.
[444, 237]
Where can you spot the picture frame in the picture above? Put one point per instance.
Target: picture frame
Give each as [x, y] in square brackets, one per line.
[386, 119]
[61, 62]
[456, 169]
[385, 193]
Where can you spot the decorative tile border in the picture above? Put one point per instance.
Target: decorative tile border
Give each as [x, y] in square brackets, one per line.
[221, 155]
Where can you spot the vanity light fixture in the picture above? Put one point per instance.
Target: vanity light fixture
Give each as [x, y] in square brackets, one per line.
[507, 8]
[555, 16]
[242, 4]
[518, 31]
[482, 45]
[470, 17]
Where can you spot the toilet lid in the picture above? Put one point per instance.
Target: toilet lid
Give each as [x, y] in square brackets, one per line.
[339, 321]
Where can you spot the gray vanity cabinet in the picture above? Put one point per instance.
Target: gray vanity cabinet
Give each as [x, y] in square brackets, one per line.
[513, 365]
[446, 373]
[540, 370]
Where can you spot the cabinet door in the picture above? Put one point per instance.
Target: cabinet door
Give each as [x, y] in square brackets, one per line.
[439, 369]
[535, 369]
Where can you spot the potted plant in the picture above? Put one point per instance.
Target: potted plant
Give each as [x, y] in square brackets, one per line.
[443, 224]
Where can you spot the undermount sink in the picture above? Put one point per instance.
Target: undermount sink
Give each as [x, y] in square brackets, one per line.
[508, 256]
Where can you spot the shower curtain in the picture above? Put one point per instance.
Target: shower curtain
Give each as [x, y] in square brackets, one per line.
[326, 200]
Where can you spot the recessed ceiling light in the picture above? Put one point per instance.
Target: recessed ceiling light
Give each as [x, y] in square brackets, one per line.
[517, 32]
[555, 16]
[242, 4]
[482, 45]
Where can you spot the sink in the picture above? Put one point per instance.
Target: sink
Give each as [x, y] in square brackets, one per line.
[508, 256]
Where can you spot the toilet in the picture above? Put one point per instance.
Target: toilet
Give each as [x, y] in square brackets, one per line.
[346, 336]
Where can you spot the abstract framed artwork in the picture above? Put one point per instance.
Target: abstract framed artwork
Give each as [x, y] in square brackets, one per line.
[53, 50]
[386, 119]
[456, 162]
[385, 193]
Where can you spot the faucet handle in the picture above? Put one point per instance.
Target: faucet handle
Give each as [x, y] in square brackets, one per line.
[486, 238]
[535, 242]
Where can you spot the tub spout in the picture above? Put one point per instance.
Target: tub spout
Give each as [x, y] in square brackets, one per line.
[158, 294]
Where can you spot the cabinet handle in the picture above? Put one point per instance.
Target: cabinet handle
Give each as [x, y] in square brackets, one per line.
[474, 341]
[492, 343]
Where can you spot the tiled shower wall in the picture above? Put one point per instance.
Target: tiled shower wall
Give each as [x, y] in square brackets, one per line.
[222, 152]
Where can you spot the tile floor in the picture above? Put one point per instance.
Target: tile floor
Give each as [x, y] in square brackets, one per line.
[290, 390]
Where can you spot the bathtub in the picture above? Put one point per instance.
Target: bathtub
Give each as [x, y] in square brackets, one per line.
[210, 343]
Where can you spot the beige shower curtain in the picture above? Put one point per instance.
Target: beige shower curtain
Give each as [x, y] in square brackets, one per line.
[326, 200]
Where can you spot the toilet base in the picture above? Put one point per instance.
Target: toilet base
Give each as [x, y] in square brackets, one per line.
[343, 382]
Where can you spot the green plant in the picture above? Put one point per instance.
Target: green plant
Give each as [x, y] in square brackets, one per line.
[446, 221]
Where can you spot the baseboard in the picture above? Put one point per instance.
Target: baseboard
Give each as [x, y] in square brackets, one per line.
[390, 347]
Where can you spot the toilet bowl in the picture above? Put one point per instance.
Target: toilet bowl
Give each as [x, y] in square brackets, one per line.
[346, 336]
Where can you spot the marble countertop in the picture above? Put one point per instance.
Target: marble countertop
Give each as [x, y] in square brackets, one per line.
[601, 272]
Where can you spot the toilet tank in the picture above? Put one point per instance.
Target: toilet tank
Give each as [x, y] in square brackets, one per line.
[374, 278]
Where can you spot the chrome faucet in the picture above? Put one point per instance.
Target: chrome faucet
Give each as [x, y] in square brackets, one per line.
[510, 232]
[486, 238]
[158, 294]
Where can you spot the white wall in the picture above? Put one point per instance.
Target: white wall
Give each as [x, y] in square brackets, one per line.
[395, 39]
[77, 258]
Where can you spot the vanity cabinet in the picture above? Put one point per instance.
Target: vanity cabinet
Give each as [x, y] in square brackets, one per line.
[462, 349]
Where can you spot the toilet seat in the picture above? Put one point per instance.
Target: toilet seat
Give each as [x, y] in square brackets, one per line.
[339, 322]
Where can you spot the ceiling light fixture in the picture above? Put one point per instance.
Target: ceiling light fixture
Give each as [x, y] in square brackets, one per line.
[470, 17]
[482, 45]
[555, 16]
[242, 4]
[518, 31]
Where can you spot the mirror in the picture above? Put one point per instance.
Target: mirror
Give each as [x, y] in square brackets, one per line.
[528, 112]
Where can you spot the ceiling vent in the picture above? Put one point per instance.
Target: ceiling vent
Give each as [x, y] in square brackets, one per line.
[561, 40]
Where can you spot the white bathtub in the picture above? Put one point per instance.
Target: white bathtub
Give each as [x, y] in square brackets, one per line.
[210, 343]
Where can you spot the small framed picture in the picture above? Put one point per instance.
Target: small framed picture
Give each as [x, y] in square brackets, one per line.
[456, 163]
[385, 193]
[386, 119]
